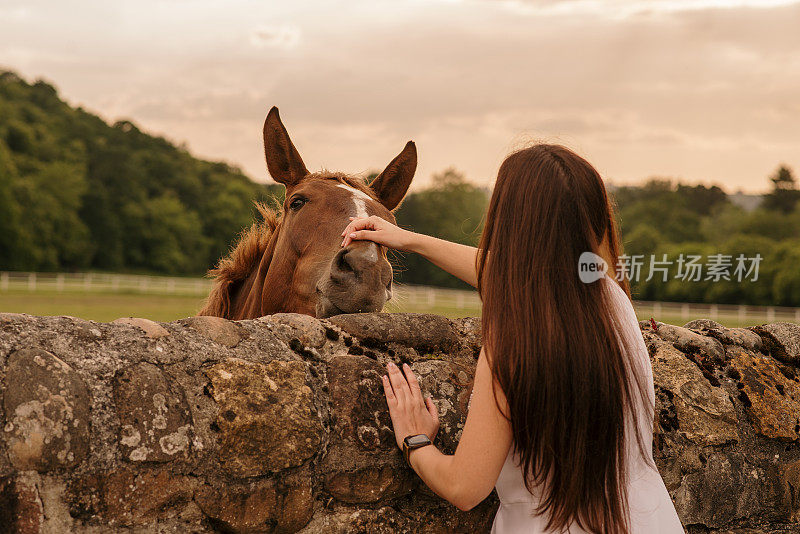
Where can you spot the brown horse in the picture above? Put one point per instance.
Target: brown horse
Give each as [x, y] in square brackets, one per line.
[293, 261]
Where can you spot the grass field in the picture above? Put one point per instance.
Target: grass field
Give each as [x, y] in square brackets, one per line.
[106, 307]
[102, 307]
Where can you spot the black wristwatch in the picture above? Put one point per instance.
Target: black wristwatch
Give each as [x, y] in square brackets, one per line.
[414, 442]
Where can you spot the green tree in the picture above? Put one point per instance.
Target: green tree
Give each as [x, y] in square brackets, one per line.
[735, 291]
[10, 225]
[682, 288]
[78, 179]
[228, 210]
[674, 222]
[642, 240]
[784, 195]
[166, 237]
[785, 266]
[700, 199]
[724, 221]
[54, 235]
[451, 208]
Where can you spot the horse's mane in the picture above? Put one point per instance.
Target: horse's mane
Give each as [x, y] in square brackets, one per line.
[234, 268]
[245, 255]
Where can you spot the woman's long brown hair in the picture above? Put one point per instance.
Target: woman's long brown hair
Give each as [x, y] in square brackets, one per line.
[552, 340]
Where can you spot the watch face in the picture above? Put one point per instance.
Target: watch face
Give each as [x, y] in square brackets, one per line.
[417, 440]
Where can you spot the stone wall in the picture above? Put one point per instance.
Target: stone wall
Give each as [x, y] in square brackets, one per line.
[279, 424]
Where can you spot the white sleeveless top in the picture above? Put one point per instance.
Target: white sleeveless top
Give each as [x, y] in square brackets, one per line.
[651, 508]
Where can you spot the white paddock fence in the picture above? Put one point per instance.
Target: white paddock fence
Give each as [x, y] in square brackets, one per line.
[406, 297]
[742, 314]
[103, 283]
[414, 297]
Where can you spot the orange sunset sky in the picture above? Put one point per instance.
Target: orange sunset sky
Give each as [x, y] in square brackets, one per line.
[700, 90]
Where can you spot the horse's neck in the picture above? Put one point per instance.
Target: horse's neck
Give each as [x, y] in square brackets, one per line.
[268, 288]
[247, 306]
[248, 301]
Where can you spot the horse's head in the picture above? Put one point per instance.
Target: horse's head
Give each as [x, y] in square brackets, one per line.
[302, 267]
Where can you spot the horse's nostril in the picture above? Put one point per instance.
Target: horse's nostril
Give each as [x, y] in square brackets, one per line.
[342, 264]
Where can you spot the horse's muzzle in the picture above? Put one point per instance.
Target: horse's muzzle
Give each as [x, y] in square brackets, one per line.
[359, 279]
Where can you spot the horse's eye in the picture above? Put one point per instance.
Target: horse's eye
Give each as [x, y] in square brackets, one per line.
[297, 203]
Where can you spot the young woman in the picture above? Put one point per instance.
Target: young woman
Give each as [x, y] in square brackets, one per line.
[560, 420]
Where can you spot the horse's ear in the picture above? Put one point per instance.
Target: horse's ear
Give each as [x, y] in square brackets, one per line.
[283, 161]
[391, 185]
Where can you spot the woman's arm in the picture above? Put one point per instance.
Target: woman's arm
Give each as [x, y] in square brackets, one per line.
[467, 477]
[458, 260]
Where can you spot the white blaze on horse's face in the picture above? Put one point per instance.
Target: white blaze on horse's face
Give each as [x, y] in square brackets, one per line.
[358, 277]
[358, 199]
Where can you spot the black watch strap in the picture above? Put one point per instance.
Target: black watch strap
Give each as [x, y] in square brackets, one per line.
[414, 442]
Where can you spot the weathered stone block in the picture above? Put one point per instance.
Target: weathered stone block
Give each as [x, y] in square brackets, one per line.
[216, 329]
[743, 337]
[790, 482]
[771, 399]
[47, 412]
[155, 422]
[425, 332]
[782, 340]
[704, 413]
[241, 509]
[309, 331]
[691, 342]
[267, 419]
[367, 484]
[20, 507]
[141, 497]
[261, 506]
[449, 384]
[728, 489]
[151, 329]
[356, 394]
[363, 463]
[410, 520]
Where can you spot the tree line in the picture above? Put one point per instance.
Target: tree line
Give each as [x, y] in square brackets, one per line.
[663, 225]
[666, 220]
[77, 194]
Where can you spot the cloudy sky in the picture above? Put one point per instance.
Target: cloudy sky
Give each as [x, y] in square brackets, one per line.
[700, 90]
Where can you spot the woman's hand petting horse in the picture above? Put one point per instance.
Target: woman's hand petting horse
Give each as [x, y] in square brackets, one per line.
[410, 413]
[458, 260]
[377, 230]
